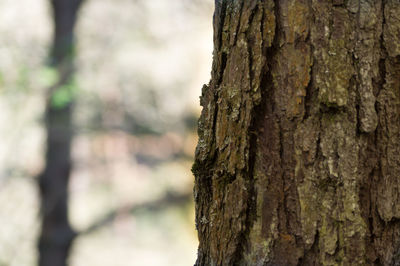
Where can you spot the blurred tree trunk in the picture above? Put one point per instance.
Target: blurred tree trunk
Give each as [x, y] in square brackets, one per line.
[56, 233]
[298, 161]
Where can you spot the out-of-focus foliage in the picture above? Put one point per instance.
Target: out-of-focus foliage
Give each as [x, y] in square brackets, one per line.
[64, 94]
[140, 66]
[48, 76]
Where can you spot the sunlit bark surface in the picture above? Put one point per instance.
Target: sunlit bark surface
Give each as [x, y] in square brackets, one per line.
[298, 160]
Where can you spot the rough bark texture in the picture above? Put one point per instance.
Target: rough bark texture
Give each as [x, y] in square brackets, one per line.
[56, 233]
[298, 160]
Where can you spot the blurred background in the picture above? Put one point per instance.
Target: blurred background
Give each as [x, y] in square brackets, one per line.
[139, 69]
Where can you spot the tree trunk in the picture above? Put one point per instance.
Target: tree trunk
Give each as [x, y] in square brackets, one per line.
[298, 160]
[56, 234]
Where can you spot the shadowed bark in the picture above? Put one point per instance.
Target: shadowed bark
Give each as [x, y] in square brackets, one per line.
[298, 158]
[56, 233]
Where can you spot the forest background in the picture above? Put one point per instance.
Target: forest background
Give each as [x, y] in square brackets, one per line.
[140, 66]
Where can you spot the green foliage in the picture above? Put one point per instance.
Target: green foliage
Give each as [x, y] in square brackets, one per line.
[48, 76]
[64, 94]
[22, 83]
[61, 95]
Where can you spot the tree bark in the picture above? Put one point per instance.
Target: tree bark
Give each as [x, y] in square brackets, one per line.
[56, 233]
[298, 158]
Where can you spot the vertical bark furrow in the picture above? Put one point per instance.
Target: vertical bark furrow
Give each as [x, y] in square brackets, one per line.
[228, 166]
[386, 223]
[367, 52]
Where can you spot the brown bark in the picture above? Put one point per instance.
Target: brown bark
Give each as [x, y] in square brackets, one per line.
[56, 233]
[298, 157]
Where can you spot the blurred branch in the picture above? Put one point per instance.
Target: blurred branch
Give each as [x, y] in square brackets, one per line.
[169, 200]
